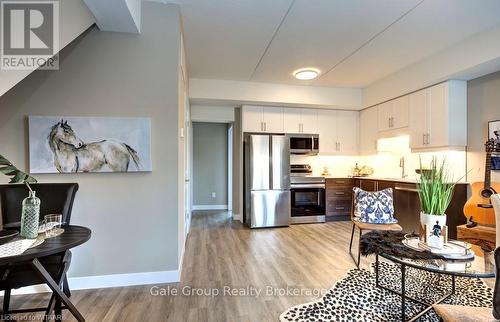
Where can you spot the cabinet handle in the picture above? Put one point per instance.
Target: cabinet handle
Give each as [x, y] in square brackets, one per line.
[265, 126]
[340, 193]
[423, 139]
[406, 189]
[428, 138]
[339, 146]
[339, 208]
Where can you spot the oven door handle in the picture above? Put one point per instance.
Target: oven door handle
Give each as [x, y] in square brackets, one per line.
[307, 186]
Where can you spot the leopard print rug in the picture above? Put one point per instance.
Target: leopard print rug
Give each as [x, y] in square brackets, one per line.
[356, 298]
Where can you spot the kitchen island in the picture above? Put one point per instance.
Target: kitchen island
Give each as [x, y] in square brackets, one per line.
[339, 200]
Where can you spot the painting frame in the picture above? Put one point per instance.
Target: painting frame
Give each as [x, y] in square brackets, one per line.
[87, 144]
[494, 130]
[494, 133]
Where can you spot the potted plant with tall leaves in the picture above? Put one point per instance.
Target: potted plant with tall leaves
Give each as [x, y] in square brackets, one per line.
[31, 205]
[435, 190]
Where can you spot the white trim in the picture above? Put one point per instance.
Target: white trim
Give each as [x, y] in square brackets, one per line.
[209, 207]
[105, 281]
[230, 167]
[237, 217]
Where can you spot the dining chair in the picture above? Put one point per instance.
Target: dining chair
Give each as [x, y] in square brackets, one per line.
[459, 313]
[56, 198]
[366, 226]
[495, 201]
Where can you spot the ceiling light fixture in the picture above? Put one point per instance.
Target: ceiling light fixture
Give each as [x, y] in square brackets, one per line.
[306, 73]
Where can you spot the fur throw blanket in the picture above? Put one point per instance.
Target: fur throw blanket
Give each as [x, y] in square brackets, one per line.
[390, 242]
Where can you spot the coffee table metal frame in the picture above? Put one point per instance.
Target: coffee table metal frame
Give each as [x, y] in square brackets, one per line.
[403, 295]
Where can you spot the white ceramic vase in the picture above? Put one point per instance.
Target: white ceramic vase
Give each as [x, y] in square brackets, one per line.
[430, 220]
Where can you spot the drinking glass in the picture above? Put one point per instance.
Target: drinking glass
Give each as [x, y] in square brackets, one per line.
[53, 225]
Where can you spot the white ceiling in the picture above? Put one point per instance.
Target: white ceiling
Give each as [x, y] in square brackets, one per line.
[353, 42]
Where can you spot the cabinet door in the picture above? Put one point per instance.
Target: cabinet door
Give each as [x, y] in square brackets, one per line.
[368, 185]
[273, 119]
[347, 132]
[327, 122]
[384, 116]
[400, 112]
[368, 130]
[309, 121]
[438, 110]
[418, 119]
[252, 119]
[292, 120]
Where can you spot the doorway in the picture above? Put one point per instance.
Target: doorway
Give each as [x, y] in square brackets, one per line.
[212, 166]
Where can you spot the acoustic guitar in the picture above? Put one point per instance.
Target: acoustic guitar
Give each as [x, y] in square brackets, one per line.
[479, 205]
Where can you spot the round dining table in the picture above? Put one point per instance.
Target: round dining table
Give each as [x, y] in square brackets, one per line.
[72, 236]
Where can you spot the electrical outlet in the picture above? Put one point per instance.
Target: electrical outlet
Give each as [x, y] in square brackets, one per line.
[214, 195]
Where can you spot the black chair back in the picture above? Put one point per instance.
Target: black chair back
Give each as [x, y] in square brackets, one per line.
[56, 198]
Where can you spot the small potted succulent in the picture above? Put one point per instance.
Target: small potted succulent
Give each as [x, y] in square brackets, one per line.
[435, 190]
[31, 205]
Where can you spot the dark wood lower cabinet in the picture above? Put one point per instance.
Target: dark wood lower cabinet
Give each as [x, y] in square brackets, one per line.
[338, 199]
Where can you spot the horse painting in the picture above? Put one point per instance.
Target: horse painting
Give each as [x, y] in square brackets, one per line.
[71, 154]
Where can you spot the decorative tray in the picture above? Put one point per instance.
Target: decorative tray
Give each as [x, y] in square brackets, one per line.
[452, 250]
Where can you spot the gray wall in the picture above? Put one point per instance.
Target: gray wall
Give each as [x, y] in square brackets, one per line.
[133, 216]
[210, 163]
[483, 104]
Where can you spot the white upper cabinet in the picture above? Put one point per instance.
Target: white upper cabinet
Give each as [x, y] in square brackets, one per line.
[327, 130]
[252, 119]
[347, 132]
[292, 120]
[368, 130]
[273, 119]
[393, 114]
[309, 121]
[419, 115]
[438, 116]
[300, 120]
[384, 116]
[400, 112]
[266, 119]
[338, 132]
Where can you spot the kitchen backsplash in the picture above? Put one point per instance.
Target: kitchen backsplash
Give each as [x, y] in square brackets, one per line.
[386, 162]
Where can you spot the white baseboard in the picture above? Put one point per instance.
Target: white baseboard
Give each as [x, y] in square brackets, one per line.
[105, 281]
[237, 217]
[209, 207]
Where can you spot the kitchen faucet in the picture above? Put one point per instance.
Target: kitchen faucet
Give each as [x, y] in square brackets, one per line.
[402, 166]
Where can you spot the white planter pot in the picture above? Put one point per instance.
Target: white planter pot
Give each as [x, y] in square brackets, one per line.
[431, 221]
[426, 219]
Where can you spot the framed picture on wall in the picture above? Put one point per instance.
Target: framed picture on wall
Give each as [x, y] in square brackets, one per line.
[59, 144]
[494, 133]
[494, 130]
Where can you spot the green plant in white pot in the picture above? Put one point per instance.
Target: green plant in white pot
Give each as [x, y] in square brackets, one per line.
[435, 189]
[30, 215]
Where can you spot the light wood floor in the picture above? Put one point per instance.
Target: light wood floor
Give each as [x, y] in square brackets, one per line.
[219, 253]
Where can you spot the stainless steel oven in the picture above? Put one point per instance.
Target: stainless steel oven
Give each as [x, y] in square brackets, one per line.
[304, 144]
[307, 199]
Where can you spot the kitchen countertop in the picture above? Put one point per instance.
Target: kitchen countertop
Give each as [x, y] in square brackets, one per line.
[401, 180]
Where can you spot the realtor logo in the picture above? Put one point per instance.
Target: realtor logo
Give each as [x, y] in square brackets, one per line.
[29, 35]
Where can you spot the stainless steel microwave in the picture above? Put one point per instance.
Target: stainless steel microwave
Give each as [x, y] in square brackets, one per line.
[304, 144]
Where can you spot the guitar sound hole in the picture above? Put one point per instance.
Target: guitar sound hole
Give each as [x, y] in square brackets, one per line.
[486, 193]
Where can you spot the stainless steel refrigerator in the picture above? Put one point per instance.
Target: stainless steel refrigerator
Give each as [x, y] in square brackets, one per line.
[267, 180]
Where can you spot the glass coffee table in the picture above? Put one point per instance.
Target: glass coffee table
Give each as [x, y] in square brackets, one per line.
[482, 266]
